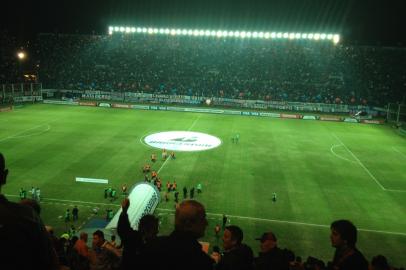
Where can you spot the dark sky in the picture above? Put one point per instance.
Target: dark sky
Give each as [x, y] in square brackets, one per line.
[358, 21]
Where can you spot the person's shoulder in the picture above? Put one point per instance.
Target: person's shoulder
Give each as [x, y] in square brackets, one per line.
[20, 211]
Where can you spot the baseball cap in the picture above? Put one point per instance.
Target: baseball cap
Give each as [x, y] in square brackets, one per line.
[267, 236]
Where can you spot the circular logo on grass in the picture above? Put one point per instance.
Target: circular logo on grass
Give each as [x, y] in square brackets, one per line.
[182, 141]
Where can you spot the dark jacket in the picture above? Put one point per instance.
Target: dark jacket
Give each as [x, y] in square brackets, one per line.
[274, 259]
[180, 250]
[132, 243]
[238, 258]
[349, 259]
[27, 244]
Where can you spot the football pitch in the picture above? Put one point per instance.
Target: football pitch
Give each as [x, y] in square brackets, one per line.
[320, 171]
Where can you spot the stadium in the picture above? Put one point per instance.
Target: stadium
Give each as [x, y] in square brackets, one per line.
[285, 131]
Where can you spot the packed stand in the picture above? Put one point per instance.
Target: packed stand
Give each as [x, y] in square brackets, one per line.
[260, 69]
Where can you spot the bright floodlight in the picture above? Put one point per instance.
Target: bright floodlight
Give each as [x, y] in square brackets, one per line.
[336, 39]
[222, 33]
[21, 55]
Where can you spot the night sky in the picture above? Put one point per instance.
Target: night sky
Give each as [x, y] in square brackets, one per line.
[358, 21]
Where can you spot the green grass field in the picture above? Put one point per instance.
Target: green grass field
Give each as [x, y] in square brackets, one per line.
[321, 171]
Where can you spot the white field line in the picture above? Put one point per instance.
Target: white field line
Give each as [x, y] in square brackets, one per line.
[16, 135]
[396, 150]
[230, 216]
[337, 155]
[360, 163]
[194, 123]
[168, 158]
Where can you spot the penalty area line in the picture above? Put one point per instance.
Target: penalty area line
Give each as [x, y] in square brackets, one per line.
[360, 163]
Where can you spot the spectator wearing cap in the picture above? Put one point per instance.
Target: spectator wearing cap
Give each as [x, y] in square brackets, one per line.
[270, 256]
[236, 256]
[346, 256]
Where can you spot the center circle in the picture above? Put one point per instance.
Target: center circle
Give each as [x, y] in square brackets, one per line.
[182, 141]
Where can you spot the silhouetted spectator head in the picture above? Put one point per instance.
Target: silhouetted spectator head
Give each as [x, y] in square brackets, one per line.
[190, 216]
[83, 236]
[98, 238]
[379, 262]
[148, 226]
[343, 233]
[3, 170]
[268, 241]
[232, 237]
[32, 203]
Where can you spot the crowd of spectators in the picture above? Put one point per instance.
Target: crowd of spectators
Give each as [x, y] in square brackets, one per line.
[303, 71]
[31, 245]
[256, 69]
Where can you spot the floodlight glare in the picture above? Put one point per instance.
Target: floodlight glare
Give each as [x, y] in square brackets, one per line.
[336, 39]
[222, 33]
[21, 55]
